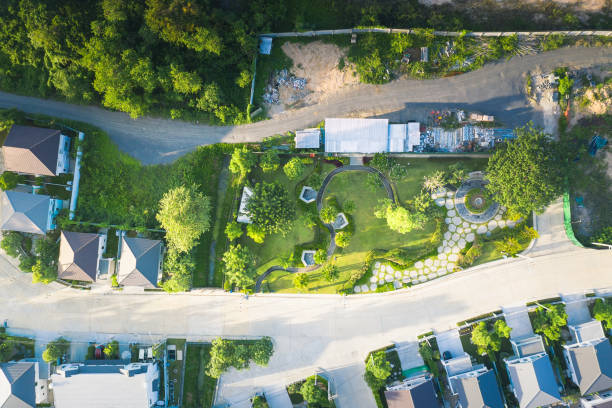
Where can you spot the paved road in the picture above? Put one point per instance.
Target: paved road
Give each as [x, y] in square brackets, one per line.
[496, 89]
[327, 331]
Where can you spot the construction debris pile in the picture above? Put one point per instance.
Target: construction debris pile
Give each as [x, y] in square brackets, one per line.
[283, 78]
[452, 131]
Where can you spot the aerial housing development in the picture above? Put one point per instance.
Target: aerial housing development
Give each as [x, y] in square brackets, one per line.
[305, 205]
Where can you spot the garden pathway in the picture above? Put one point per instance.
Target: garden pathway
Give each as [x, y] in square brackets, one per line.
[332, 244]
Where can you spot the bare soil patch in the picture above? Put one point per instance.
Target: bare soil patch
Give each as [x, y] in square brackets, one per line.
[317, 62]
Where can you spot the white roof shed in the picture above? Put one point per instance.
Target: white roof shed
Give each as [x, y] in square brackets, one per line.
[397, 138]
[355, 135]
[308, 139]
[414, 135]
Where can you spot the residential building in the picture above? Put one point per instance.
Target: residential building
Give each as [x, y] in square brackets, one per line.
[79, 256]
[531, 374]
[37, 151]
[140, 262]
[308, 139]
[17, 385]
[106, 383]
[475, 386]
[414, 392]
[600, 400]
[30, 213]
[589, 358]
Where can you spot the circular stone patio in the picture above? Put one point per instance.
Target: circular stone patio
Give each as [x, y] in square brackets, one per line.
[463, 211]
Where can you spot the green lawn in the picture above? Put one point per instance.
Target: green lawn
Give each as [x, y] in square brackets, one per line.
[419, 168]
[198, 388]
[277, 245]
[14, 348]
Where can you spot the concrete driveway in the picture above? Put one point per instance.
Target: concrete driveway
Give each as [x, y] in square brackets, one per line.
[449, 340]
[496, 89]
[517, 318]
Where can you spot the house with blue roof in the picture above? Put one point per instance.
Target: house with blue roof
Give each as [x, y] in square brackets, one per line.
[17, 385]
[531, 374]
[29, 213]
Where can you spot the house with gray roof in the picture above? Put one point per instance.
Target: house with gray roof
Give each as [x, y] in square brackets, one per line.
[589, 358]
[30, 213]
[17, 385]
[531, 376]
[414, 392]
[140, 262]
[79, 256]
[475, 386]
[37, 151]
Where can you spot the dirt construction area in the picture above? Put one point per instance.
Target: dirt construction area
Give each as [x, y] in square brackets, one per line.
[316, 62]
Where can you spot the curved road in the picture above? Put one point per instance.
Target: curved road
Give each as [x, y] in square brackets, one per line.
[496, 89]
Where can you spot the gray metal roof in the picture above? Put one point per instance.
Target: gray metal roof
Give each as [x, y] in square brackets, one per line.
[31, 150]
[478, 391]
[78, 257]
[24, 212]
[17, 382]
[534, 381]
[420, 396]
[139, 264]
[593, 366]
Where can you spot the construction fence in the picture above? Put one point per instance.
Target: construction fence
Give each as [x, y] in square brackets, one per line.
[604, 33]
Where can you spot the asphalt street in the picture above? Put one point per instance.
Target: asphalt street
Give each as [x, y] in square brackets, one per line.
[322, 332]
[495, 89]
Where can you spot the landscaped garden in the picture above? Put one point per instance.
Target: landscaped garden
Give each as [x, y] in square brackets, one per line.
[198, 387]
[425, 233]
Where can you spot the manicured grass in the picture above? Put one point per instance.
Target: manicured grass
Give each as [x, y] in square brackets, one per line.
[16, 347]
[419, 168]
[198, 388]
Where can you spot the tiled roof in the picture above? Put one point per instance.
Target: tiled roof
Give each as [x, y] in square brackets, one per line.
[78, 257]
[139, 263]
[31, 150]
[24, 212]
[17, 385]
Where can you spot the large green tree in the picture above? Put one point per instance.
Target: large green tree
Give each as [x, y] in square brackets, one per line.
[527, 173]
[294, 168]
[239, 266]
[269, 161]
[548, 320]
[313, 392]
[399, 218]
[178, 268]
[488, 339]
[185, 215]
[242, 162]
[377, 370]
[270, 208]
[56, 349]
[602, 311]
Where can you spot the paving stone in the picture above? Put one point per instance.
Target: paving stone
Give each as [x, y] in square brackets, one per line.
[442, 256]
[450, 204]
[447, 235]
[451, 213]
[418, 265]
[470, 237]
[452, 228]
[455, 237]
[456, 250]
[461, 243]
[456, 220]
[453, 258]
[482, 229]
[428, 262]
[440, 201]
[373, 286]
[447, 220]
[373, 279]
[364, 288]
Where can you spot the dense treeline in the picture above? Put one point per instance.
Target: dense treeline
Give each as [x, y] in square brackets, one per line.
[178, 57]
[193, 58]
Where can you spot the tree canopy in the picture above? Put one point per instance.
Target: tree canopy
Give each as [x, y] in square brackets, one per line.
[313, 393]
[56, 349]
[294, 168]
[300, 281]
[178, 268]
[185, 215]
[602, 311]
[242, 162]
[228, 353]
[270, 208]
[399, 218]
[548, 320]
[239, 266]
[377, 370]
[527, 173]
[488, 340]
[269, 161]
[330, 272]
